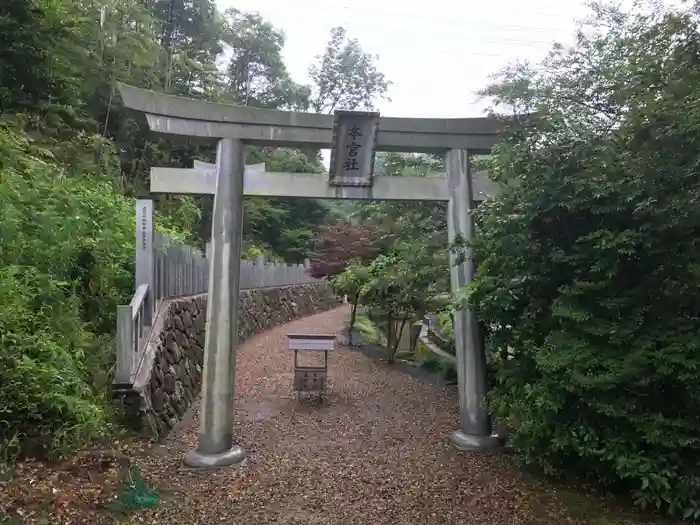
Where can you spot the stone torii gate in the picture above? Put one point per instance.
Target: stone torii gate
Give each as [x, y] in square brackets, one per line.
[354, 137]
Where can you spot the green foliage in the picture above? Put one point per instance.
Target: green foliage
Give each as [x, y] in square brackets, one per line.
[449, 371]
[190, 39]
[33, 33]
[256, 74]
[352, 280]
[345, 76]
[431, 364]
[65, 263]
[589, 264]
[67, 225]
[446, 324]
[284, 227]
[399, 286]
[370, 331]
[434, 363]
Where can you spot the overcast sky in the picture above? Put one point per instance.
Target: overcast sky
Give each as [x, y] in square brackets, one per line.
[437, 53]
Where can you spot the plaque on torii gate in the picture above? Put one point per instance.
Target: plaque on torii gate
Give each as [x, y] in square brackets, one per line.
[354, 137]
[352, 154]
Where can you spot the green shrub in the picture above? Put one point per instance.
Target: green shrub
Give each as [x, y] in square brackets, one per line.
[65, 263]
[590, 264]
[45, 399]
[431, 364]
[449, 371]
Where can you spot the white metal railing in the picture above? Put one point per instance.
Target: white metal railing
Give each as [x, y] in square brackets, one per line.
[131, 330]
[180, 270]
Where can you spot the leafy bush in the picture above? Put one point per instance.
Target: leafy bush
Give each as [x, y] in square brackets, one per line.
[449, 371]
[369, 331]
[431, 364]
[350, 283]
[65, 263]
[446, 324]
[590, 264]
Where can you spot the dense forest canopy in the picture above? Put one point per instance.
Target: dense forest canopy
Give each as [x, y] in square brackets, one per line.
[176, 47]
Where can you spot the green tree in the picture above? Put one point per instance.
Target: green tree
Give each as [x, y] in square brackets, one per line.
[190, 39]
[121, 47]
[350, 282]
[345, 76]
[589, 262]
[35, 73]
[400, 286]
[256, 74]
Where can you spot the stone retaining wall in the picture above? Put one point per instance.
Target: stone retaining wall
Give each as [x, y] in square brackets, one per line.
[169, 378]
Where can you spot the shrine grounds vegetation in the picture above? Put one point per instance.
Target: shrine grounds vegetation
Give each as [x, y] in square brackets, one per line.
[65, 263]
[589, 265]
[72, 159]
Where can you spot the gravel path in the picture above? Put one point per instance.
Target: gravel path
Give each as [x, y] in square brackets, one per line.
[374, 453]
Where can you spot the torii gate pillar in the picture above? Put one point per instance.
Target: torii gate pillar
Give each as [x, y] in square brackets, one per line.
[216, 447]
[474, 432]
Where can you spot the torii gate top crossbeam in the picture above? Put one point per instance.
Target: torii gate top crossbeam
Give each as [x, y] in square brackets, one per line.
[265, 127]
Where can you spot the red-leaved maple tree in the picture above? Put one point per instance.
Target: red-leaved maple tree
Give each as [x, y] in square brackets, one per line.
[339, 244]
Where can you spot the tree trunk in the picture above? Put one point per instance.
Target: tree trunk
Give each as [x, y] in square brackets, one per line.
[353, 317]
[390, 338]
[393, 349]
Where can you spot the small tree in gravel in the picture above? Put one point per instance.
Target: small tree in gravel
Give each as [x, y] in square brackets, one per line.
[402, 285]
[350, 283]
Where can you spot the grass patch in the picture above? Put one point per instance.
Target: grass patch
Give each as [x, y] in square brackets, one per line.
[433, 363]
[369, 331]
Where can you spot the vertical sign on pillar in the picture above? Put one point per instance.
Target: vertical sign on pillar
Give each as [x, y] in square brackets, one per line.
[144, 252]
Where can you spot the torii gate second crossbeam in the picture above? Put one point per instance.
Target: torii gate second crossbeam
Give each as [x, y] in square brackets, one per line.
[354, 137]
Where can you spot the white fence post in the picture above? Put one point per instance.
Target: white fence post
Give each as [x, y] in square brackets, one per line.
[171, 268]
[125, 345]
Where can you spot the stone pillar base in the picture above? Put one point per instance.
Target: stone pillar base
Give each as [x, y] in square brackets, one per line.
[196, 460]
[469, 443]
